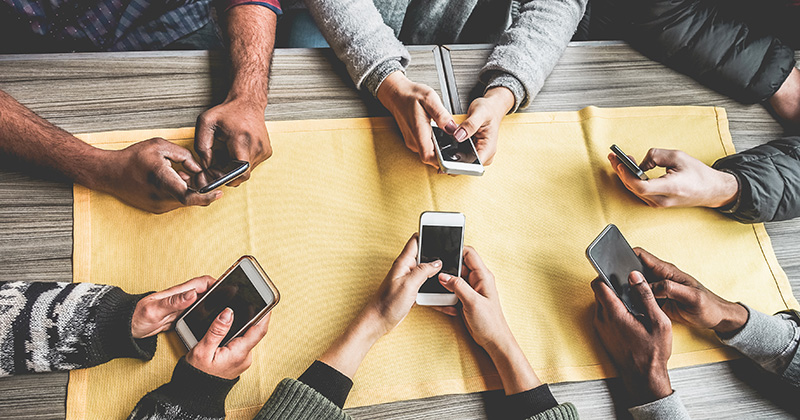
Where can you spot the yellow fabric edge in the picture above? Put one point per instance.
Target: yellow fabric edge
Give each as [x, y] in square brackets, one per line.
[77, 397]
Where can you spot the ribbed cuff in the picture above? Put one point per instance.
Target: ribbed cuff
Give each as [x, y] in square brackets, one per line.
[668, 408]
[507, 80]
[295, 400]
[328, 381]
[565, 411]
[531, 402]
[112, 336]
[195, 391]
[373, 81]
[764, 339]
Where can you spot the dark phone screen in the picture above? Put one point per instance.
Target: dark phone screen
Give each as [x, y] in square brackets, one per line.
[213, 174]
[235, 292]
[452, 150]
[440, 243]
[615, 259]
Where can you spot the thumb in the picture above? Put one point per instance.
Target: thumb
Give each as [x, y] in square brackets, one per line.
[674, 291]
[464, 292]
[659, 157]
[470, 125]
[423, 272]
[204, 137]
[178, 302]
[218, 330]
[641, 288]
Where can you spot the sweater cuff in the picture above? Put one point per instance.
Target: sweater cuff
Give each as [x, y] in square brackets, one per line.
[112, 337]
[328, 381]
[667, 408]
[565, 411]
[528, 403]
[295, 400]
[374, 80]
[195, 391]
[770, 341]
[507, 80]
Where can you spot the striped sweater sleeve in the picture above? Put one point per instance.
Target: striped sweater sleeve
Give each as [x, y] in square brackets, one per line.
[47, 327]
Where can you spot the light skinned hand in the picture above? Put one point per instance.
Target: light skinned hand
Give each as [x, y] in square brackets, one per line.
[142, 175]
[639, 349]
[688, 301]
[239, 124]
[413, 106]
[233, 359]
[483, 121]
[157, 312]
[687, 183]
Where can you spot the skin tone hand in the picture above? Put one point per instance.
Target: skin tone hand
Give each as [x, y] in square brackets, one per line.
[786, 101]
[483, 121]
[687, 183]
[142, 176]
[157, 312]
[233, 359]
[413, 106]
[239, 121]
[390, 305]
[639, 349]
[688, 301]
[485, 322]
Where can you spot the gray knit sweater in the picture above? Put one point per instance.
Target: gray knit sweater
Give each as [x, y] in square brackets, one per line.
[529, 36]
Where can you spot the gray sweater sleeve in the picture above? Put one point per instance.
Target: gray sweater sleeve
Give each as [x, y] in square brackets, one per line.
[528, 51]
[668, 408]
[356, 32]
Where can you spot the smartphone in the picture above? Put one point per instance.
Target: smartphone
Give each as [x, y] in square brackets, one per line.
[456, 158]
[217, 176]
[441, 237]
[630, 164]
[245, 288]
[613, 259]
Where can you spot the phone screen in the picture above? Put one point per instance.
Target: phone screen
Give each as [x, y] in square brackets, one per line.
[452, 150]
[440, 243]
[205, 181]
[236, 292]
[613, 258]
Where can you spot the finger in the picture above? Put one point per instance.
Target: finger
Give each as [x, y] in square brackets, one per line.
[465, 293]
[252, 336]
[432, 104]
[407, 259]
[423, 272]
[476, 118]
[198, 284]
[672, 290]
[486, 150]
[475, 263]
[180, 155]
[423, 134]
[204, 137]
[197, 199]
[216, 332]
[447, 310]
[177, 302]
[641, 289]
[610, 302]
[240, 149]
[660, 157]
[655, 265]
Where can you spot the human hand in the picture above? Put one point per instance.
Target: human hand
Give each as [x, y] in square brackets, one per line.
[157, 312]
[639, 349]
[483, 121]
[142, 176]
[413, 105]
[231, 360]
[786, 101]
[240, 125]
[688, 301]
[398, 292]
[687, 183]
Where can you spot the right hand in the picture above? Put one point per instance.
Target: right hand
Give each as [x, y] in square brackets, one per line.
[688, 301]
[413, 106]
[142, 176]
[480, 302]
[687, 183]
[229, 361]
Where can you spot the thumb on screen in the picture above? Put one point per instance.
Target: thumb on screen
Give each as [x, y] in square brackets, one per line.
[218, 329]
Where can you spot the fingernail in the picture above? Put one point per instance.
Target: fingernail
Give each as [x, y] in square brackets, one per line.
[437, 263]
[187, 295]
[461, 134]
[226, 315]
[635, 278]
[451, 127]
[445, 277]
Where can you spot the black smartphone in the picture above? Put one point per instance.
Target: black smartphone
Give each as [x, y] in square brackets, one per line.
[217, 176]
[613, 259]
[631, 165]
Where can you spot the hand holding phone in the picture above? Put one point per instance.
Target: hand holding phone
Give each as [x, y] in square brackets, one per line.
[216, 176]
[441, 237]
[456, 158]
[629, 163]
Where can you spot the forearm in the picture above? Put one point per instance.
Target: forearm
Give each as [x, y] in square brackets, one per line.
[513, 367]
[349, 350]
[251, 33]
[30, 139]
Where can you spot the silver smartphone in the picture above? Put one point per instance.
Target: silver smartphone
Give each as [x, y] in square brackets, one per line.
[441, 237]
[456, 158]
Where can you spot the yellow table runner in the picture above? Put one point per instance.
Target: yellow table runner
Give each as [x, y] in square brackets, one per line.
[328, 213]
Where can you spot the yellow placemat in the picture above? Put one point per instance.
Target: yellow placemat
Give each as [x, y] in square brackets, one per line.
[332, 208]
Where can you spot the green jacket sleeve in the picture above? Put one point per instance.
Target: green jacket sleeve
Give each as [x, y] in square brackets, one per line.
[565, 411]
[294, 400]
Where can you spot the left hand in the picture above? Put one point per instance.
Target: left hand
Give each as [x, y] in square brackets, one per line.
[157, 312]
[239, 123]
[483, 121]
[640, 350]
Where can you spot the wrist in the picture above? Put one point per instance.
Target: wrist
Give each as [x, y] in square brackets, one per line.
[502, 99]
[370, 325]
[248, 100]
[727, 190]
[652, 385]
[100, 170]
[390, 86]
[735, 318]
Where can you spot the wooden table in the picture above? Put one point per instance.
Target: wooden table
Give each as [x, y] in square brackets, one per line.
[100, 92]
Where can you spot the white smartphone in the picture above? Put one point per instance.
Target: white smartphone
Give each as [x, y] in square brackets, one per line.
[456, 158]
[245, 288]
[441, 237]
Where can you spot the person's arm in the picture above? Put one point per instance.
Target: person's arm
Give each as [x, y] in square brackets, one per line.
[526, 396]
[239, 120]
[698, 38]
[202, 379]
[62, 326]
[141, 174]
